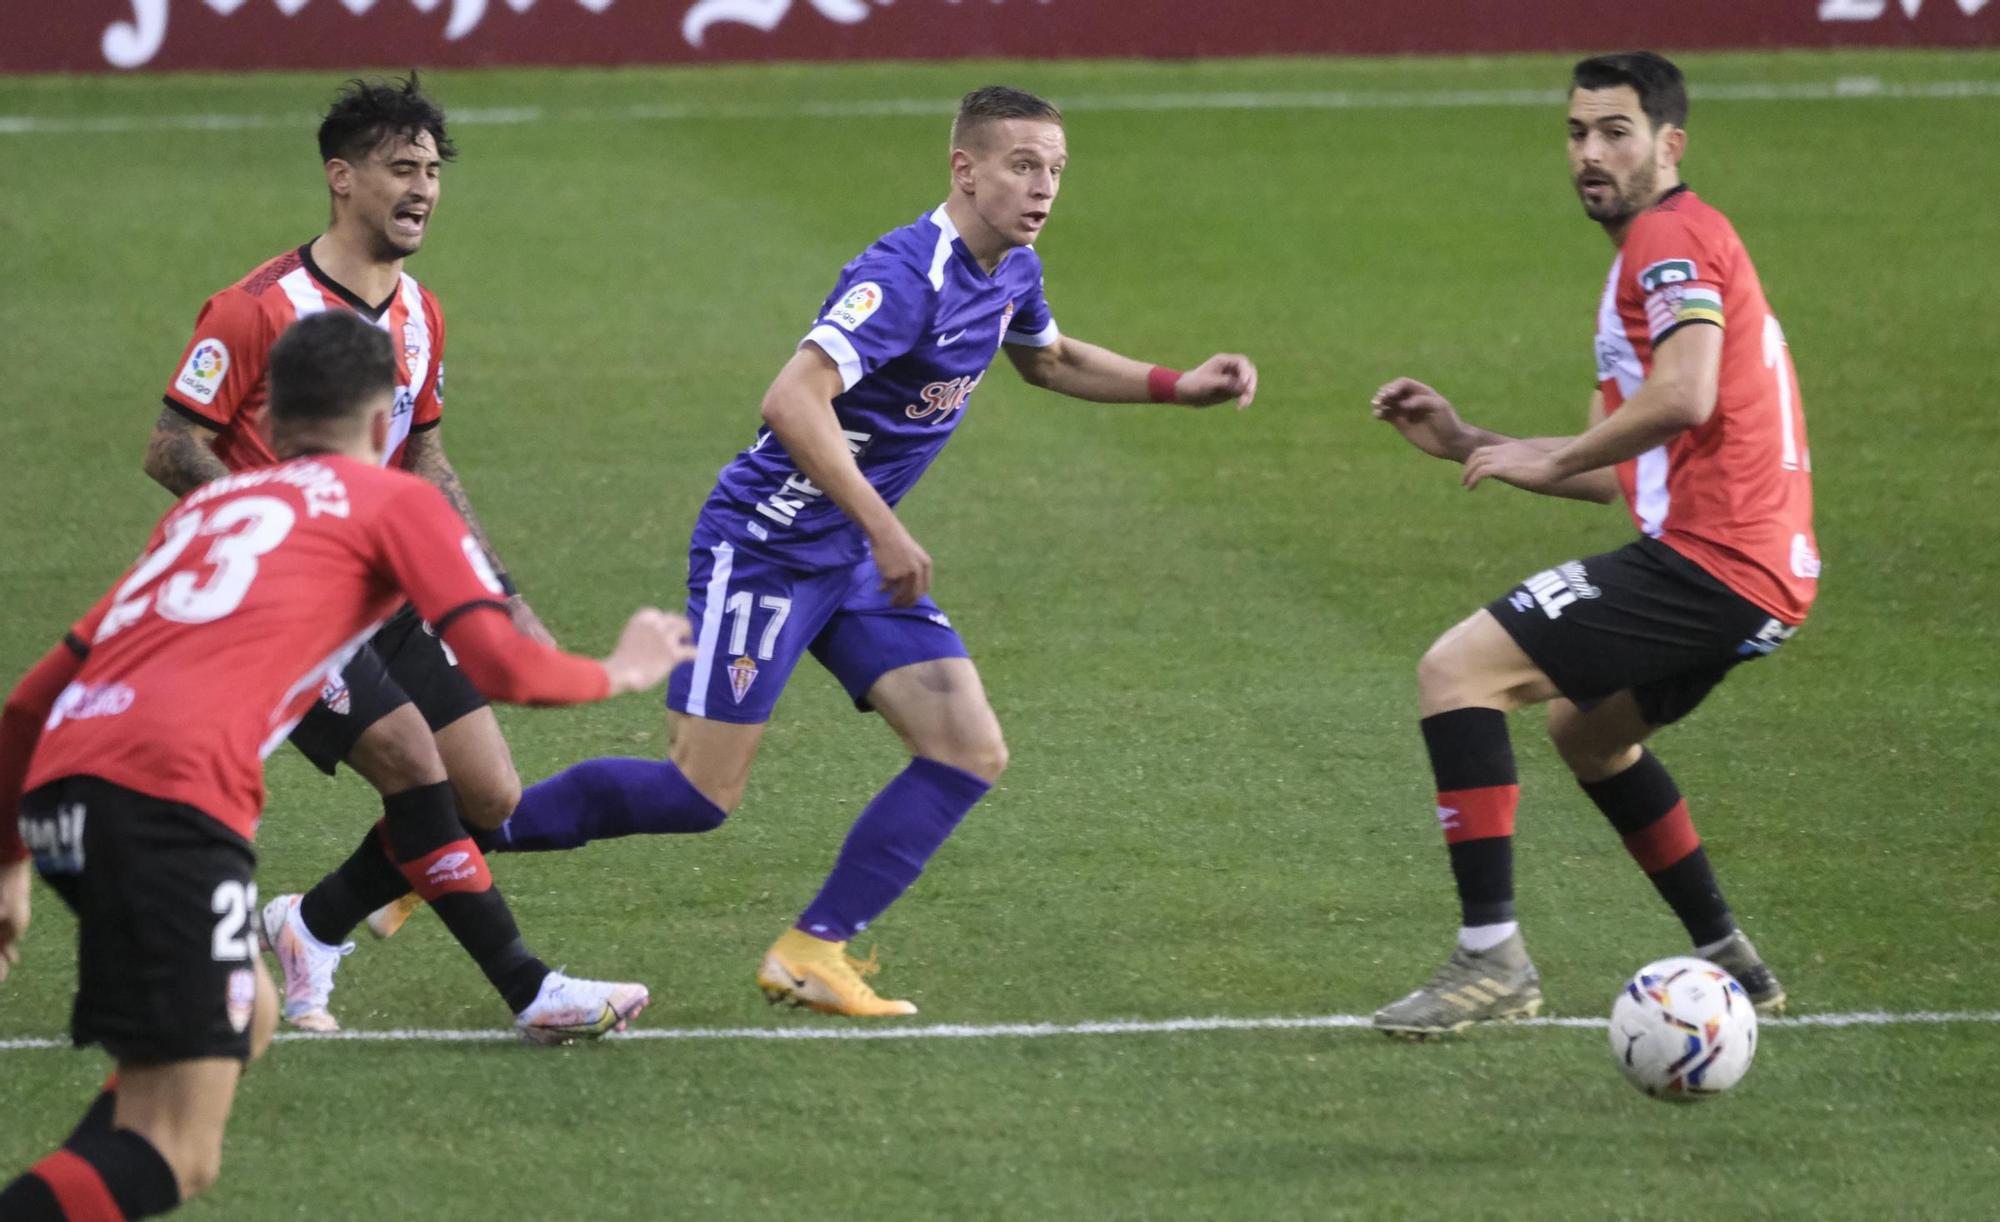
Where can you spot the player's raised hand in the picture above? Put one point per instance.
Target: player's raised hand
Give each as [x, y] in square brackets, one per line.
[14, 886]
[1218, 379]
[1511, 462]
[653, 643]
[526, 622]
[1425, 418]
[905, 566]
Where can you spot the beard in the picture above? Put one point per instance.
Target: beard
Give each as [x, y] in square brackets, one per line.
[1626, 201]
[388, 247]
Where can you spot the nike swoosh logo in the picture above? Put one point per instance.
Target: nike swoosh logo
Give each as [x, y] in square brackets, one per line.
[954, 337]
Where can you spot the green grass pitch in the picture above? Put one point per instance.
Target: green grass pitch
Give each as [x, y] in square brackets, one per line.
[1200, 632]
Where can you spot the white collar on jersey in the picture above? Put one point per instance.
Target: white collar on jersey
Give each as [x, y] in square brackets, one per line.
[947, 234]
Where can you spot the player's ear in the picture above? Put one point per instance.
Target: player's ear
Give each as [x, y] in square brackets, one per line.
[1674, 140]
[378, 430]
[339, 177]
[961, 170]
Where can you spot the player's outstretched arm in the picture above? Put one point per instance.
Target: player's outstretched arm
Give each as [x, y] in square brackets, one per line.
[508, 666]
[1678, 395]
[1427, 420]
[1086, 371]
[424, 455]
[177, 455]
[799, 410]
[15, 911]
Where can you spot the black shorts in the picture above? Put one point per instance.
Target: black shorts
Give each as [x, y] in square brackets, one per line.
[166, 915]
[404, 663]
[1643, 617]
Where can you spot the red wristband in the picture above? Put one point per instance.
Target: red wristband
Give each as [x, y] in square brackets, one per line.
[1160, 384]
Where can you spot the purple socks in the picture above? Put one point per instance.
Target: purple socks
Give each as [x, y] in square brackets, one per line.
[886, 849]
[602, 799]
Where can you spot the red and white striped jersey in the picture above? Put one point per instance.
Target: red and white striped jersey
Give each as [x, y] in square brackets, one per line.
[202, 658]
[1734, 494]
[222, 380]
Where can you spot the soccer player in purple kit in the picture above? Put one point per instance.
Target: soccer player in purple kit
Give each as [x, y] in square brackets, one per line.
[799, 549]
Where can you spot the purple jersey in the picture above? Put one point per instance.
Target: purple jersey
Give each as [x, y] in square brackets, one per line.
[913, 323]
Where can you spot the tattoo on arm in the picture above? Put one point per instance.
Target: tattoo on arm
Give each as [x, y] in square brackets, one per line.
[425, 456]
[178, 457]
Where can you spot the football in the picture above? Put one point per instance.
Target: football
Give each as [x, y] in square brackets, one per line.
[1683, 1029]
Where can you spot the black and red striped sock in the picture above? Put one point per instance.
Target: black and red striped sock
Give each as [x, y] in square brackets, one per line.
[356, 887]
[1476, 796]
[438, 857]
[97, 1117]
[102, 1176]
[1646, 808]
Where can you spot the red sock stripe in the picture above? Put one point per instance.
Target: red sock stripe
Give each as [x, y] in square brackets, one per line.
[458, 866]
[110, 1082]
[80, 1191]
[1477, 814]
[1666, 841]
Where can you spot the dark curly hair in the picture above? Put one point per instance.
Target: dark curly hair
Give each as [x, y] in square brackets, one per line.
[366, 114]
[1662, 90]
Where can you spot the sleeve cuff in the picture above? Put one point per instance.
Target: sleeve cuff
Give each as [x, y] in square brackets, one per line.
[464, 609]
[837, 346]
[1683, 321]
[207, 422]
[1034, 339]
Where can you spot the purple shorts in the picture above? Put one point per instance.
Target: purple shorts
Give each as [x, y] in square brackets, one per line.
[755, 618]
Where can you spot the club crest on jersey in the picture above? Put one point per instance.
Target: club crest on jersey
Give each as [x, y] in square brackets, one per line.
[241, 998]
[742, 673]
[1656, 276]
[202, 376]
[1006, 320]
[413, 339]
[858, 306]
[337, 697]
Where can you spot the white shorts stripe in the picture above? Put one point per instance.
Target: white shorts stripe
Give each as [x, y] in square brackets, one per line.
[711, 629]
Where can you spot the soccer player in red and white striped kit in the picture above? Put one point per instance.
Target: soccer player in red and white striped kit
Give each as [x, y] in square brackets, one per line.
[133, 753]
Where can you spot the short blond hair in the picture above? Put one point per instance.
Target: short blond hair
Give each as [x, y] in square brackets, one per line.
[984, 107]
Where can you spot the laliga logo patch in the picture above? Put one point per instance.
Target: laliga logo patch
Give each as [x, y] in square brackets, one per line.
[241, 998]
[202, 376]
[742, 673]
[858, 306]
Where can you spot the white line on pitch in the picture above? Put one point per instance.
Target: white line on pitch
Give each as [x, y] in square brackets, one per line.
[1845, 88]
[979, 1031]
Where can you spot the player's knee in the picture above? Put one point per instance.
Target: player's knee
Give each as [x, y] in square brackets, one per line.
[488, 803]
[715, 776]
[398, 753]
[1442, 671]
[984, 756]
[1589, 753]
[724, 793]
[197, 1162]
